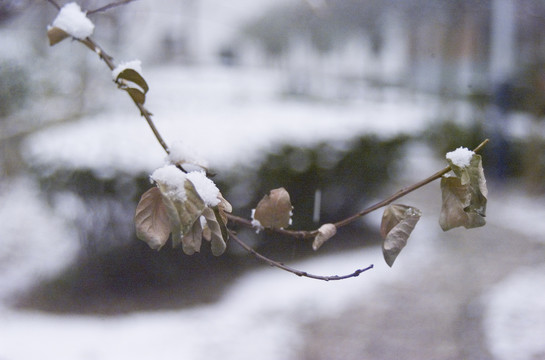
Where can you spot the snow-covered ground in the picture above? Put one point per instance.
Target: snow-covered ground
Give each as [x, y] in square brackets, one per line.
[260, 317]
[264, 313]
[36, 243]
[514, 317]
[227, 116]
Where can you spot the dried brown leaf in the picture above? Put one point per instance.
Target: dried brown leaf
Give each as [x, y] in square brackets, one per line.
[217, 240]
[460, 205]
[182, 211]
[151, 219]
[398, 221]
[274, 210]
[56, 35]
[325, 232]
[192, 240]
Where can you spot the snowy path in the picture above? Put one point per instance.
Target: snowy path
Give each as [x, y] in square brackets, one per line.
[474, 294]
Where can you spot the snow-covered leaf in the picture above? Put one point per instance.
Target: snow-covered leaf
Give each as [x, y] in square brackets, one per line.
[183, 203]
[464, 196]
[325, 232]
[205, 187]
[462, 163]
[56, 35]
[274, 210]
[398, 221]
[73, 21]
[191, 209]
[151, 219]
[128, 76]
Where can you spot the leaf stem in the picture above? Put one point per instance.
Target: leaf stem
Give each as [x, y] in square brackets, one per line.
[293, 270]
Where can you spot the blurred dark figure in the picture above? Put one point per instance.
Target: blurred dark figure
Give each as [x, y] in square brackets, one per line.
[502, 104]
[228, 56]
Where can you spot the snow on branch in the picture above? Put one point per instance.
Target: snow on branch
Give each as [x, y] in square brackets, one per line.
[73, 21]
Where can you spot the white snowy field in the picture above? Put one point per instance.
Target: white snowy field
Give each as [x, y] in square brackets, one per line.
[228, 117]
[260, 317]
[232, 117]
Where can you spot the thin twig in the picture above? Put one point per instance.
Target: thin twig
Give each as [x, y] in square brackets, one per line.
[292, 270]
[143, 111]
[109, 61]
[109, 6]
[401, 193]
[301, 234]
[54, 3]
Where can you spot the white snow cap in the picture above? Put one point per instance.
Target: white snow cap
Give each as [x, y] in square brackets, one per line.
[135, 65]
[460, 157]
[181, 154]
[73, 21]
[205, 187]
[171, 180]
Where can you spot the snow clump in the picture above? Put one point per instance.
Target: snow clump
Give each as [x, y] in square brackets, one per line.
[72, 20]
[135, 65]
[182, 154]
[460, 157]
[171, 181]
[205, 187]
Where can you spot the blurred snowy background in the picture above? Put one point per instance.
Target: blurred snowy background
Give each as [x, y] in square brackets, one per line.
[355, 98]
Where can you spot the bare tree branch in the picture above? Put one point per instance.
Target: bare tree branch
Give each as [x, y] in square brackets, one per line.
[302, 234]
[143, 111]
[401, 192]
[54, 3]
[292, 270]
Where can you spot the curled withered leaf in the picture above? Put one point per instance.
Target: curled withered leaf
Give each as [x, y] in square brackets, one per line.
[217, 240]
[398, 221]
[325, 232]
[188, 210]
[151, 219]
[183, 204]
[224, 207]
[464, 196]
[191, 241]
[56, 35]
[457, 209]
[132, 82]
[274, 210]
[133, 76]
